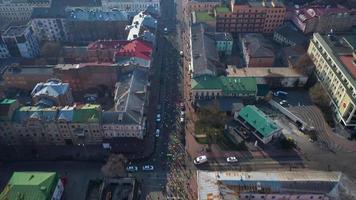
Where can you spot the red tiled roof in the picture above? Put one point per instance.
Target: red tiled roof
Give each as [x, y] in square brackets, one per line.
[106, 44]
[348, 62]
[135, 48]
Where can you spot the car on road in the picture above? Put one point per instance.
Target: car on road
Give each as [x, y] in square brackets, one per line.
[182, 107]
[280, 94]
[200, 160]
[181, 53]
[182, 113]
[283, 102]
[231, 159]
[157, 133]
[158, 118]
[132, 168]
[165, 30]
[147, 168]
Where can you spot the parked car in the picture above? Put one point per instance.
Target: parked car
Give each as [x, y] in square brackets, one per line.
[181, 53]
[181, 119]
[157, 133]
[231, 159]
[132, 168]
[200, 160]
[280, 94]
[181, 113]
[147, 168]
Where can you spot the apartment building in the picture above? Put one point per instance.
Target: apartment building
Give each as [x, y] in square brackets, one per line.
[104, 50]
[250, 16]
[136, 53]
[20, 10]
[144, 27]
[131, 5]
[26, 77]
[21, 41]
[52, 93]
[4, 52]
[85, 76]
[87, 24]
[49, 24]
[322, 19]
[129, 119]
[34, 125]
[335, 63]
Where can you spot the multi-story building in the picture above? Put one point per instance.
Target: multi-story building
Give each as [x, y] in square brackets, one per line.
[80, 124]
[52, 93]
[49, 24]
[257, 50]
[84, 76]
[129, 119]
[21, 41]
[20, 10]
[335, 65]
[270, 185]
[135, 53]
[322, 19]
[4, 52]
[289, 35]
[30, 185]
[131, 5]
[212, 87]
[26, 77]
[90, 24]
[34, 125]
[223, 41]
[203, 5]
[250, 16]
[205, 58]
[143, 26]
[104, 50]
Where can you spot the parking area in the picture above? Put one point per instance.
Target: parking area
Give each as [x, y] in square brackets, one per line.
[294, 97]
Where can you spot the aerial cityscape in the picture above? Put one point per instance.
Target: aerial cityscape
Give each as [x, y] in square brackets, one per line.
[177, 99]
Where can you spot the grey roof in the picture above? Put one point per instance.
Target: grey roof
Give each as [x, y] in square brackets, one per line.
[52, 12]
[15, 31]
[276, 182]
[205, 56]
[130, 96]
[259, 3]
[221, 36]
[51, 88]
[30, 70]
[290, 32]
[257, 45]
[95, 14]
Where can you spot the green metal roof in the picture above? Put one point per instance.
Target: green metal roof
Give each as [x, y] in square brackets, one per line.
[203, 16]
[222, 9]
[228, 85]
[30, 186]
[89, 113]
[7, 101]
[258, 120]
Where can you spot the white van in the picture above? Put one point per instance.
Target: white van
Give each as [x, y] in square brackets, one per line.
[200, 160]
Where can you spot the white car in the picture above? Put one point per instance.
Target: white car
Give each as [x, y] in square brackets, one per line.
[132, 168]
[181, 119]
[200, 160]
[231, 159]
[181, 53]
[158, 118]
[147, 168]
[181, 113]
[157, 133]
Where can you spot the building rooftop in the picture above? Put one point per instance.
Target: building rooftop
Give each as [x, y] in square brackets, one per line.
[52, 12]
[88, 113]
[130, 98]
[29, 70]
[257, 45]
[26, 1]
[307, 13]
[135, 48]
[106, 44]
[140, 23]
[260, 3]
[258, 120]
[221, 184]
[232, 71]
[15, 31]
[228, 85]
[5, 106]
[30, 186]
[34, 112]
[82, 65]
[205, 57]
[95, 14]
[222, 36]
[288, 30]
[52, 88]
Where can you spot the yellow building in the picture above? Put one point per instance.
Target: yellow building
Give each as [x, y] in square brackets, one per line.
[335, 63]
